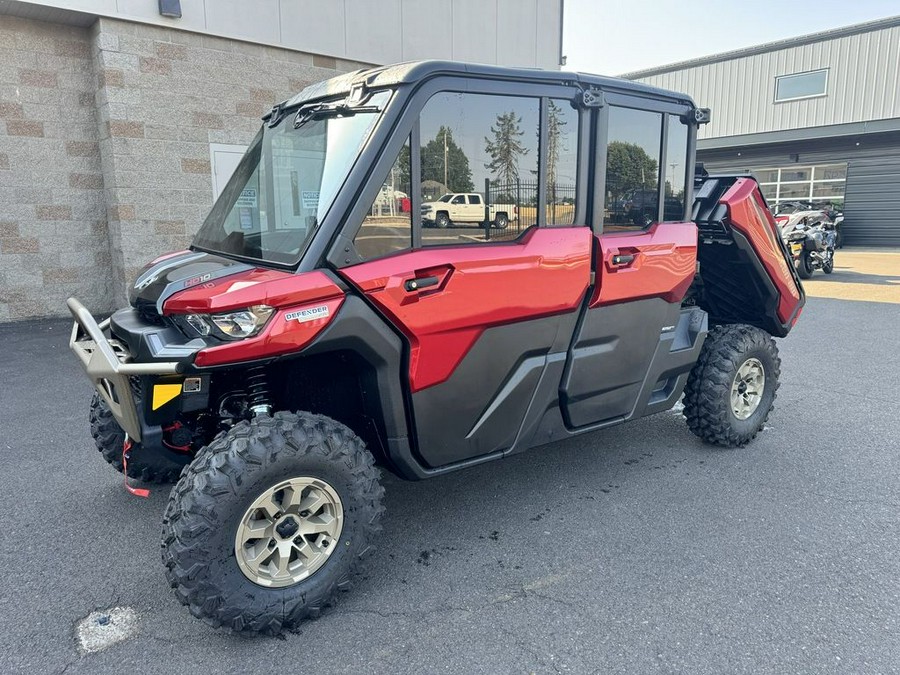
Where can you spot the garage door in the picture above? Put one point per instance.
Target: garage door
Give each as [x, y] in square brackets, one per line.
[872, 202]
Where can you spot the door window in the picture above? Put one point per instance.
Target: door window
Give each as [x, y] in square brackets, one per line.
[675, 169]
[387, 227]
[562, 161]
[633, 152]
[484, 144]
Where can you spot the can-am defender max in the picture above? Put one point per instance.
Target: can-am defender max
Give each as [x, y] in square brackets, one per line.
[315, 330]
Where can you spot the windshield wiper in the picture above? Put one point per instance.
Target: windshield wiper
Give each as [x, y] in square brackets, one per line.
[323, 111]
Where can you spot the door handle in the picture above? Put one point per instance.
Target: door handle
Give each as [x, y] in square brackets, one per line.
[420, 283]
[622, 259]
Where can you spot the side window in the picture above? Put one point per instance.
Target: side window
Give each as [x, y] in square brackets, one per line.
[675, 169]
[474, 199]
[632, 169]
[459, 199]
[562, 162]
[483, 144]
[388, 226]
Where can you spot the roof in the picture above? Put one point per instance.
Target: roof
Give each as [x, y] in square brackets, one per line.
[822, 36]
[414, 71]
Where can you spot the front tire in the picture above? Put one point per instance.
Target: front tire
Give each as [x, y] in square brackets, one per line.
[804, 266]
[731, 389]
[442, 220]
[235, 500]
[143, 464]
[828, 265]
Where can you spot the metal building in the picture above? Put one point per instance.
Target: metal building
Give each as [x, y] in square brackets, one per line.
[121, 119]
[815, 118]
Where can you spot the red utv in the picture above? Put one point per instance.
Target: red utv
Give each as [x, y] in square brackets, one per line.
[315, 331]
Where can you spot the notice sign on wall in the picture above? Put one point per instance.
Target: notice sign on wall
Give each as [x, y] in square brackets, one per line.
[310, 199]
[247, 198]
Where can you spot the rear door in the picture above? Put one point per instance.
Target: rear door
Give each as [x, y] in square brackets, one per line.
[480, 315]
[643, 270]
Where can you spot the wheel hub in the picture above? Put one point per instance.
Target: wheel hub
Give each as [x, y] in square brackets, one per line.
[288, 532]
[287, 527]
[747, 388]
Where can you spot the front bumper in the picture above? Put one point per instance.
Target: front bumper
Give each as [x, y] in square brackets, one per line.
[108, 364]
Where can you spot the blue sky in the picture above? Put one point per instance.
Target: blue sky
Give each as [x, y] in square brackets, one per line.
[612, 37]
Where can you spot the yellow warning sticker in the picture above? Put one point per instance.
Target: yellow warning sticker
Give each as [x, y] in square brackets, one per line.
[163, 393]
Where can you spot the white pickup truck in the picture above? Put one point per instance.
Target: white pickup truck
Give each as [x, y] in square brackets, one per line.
[466, 207]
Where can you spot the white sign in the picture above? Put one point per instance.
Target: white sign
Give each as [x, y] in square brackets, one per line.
[247, 198]
[310, 314]
[310, 199]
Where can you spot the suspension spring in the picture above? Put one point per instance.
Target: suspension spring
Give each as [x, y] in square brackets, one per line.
[258, 391]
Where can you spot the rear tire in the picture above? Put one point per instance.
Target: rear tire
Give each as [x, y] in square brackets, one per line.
[207, 516]
[708, 396]
[804, 266]
[143, 464]
[501, 221]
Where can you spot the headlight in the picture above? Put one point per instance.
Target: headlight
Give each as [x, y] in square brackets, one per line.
[242, 323]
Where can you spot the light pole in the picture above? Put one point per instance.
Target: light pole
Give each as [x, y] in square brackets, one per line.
[446, 187]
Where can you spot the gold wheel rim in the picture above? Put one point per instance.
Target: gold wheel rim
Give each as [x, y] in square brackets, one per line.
[747, 388]
[289, 532]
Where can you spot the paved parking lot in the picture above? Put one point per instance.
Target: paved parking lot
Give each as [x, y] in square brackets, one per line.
[637, 549]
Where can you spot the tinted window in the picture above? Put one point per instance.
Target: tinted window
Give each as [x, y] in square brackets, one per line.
[562, 162]
[482, 144]
[675, 169]
[632, 169]
[474, 199]
[801, 85]
[387, 227]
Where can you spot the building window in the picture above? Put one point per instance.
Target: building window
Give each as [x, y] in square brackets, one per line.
[633, 153]
[811, 186]
[387, 227]
[801, 85]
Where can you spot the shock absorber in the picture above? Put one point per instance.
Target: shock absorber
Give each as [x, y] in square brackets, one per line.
[258, 391]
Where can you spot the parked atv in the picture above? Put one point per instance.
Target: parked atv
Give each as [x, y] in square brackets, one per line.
[811, 237]
[277, 364]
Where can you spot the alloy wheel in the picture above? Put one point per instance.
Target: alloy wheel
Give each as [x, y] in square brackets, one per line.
[289, 532]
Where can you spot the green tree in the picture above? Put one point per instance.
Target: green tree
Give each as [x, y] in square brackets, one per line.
[455, 168]
[506, 148]
[628, 167]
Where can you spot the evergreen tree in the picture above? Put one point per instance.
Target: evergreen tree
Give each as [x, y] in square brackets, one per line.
[506, 148]
[457, 170]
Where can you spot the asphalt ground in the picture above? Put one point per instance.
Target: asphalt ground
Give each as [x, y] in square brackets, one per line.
[637, 549]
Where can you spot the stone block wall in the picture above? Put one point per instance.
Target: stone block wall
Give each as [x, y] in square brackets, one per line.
[105, 139]
[53, 235]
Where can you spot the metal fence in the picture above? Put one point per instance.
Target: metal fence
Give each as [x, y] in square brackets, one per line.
[521, 199]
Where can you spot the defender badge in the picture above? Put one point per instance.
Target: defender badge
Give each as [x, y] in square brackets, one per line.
[303, 315]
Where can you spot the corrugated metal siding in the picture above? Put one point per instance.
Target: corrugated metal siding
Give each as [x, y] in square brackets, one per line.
[872, 202]
[872, 199]
[863, 85]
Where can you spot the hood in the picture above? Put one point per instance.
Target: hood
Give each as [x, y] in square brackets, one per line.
[176, 272]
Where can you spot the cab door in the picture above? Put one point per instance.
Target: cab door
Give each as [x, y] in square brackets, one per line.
[643, 269]
[480, 315]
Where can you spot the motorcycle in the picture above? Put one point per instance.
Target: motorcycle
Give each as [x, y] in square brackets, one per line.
[810, 236]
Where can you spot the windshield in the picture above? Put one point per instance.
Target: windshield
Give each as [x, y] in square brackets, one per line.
[445, 198]
[284, 185]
